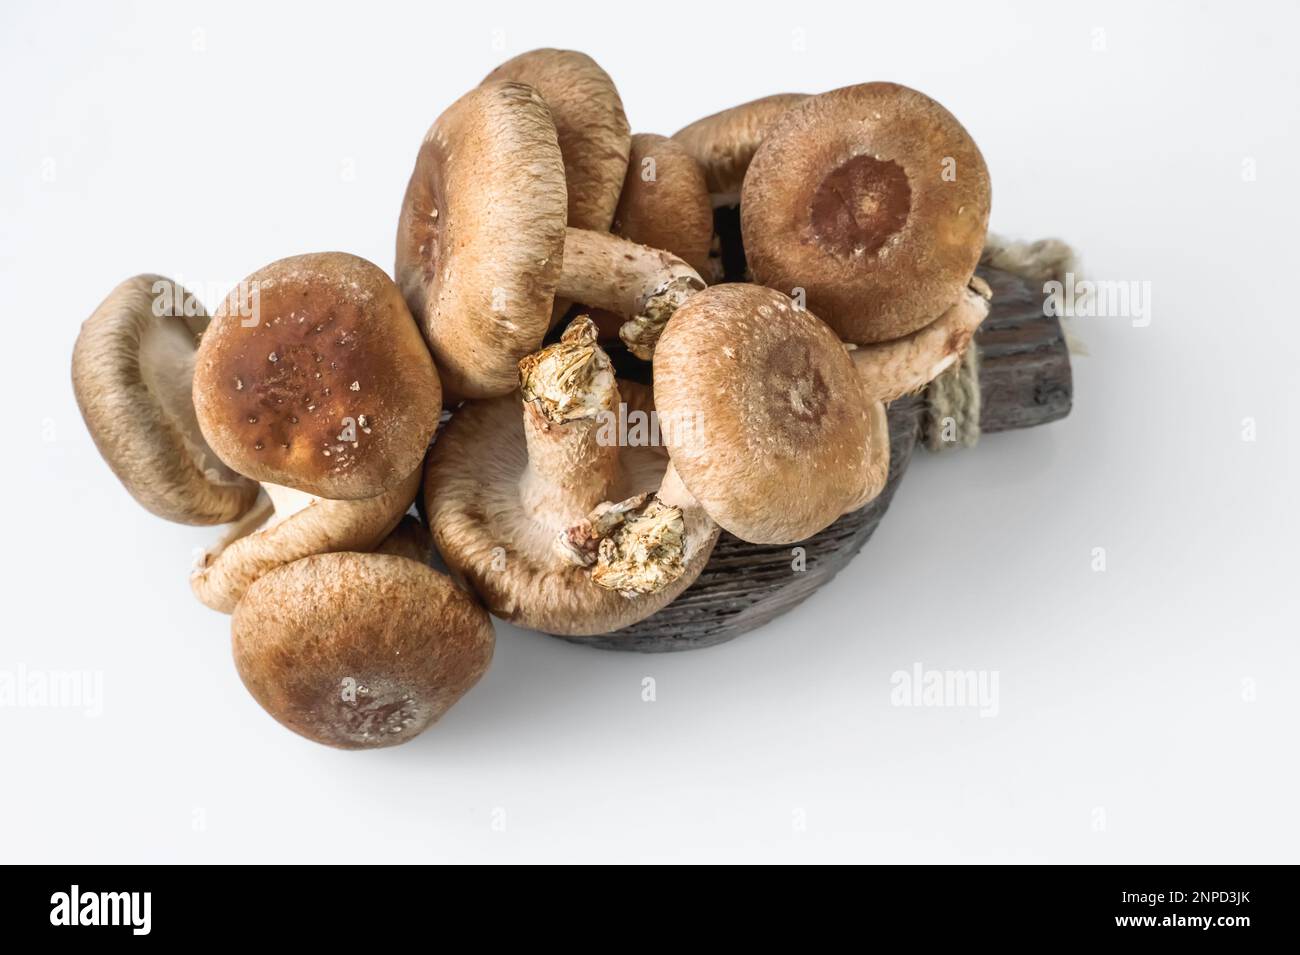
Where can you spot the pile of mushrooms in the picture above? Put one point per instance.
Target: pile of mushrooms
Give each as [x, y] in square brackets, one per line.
[346, 425]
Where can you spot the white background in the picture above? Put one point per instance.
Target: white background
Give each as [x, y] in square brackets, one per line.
[1147, 712]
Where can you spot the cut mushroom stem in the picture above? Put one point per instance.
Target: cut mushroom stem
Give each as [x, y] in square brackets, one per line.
[644, 285]
[503, 483]
[905, 365]
[567, 388]
[639, 545]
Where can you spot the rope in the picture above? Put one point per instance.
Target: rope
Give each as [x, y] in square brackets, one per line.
[952, 405]
[952, 400]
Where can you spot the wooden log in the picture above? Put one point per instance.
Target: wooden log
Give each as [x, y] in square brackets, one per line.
[1024, 381]
[1025, 377]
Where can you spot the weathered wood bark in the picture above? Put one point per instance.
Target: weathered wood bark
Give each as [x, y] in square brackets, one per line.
[1024, 381]
[1025, 375]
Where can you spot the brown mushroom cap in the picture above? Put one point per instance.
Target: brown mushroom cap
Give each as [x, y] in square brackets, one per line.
[265, 540]
[724, 143]
[665, 202]
[780, 437]
[504, 549]
[359, 650]
[488, 164]
[483, 251]
[873, 199]
[590, 127]
[328, 388]
[132, 367]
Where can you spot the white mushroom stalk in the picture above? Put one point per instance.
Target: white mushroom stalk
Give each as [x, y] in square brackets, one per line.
[511, 475]
[644, 285]
[905, 365]
[286, 525]
[635, 547]
[565, 388]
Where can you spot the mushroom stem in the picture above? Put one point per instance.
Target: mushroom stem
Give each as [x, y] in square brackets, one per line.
[643, 544]
[274, 505]
[568, 391]
[905, 365]
[645, 286]
[286, 525]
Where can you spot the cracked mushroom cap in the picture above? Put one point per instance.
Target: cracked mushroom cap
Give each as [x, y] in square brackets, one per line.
[480, 242]
[359, 650]
[132, 367]
[665, 203]
[724, 143]
[873, 199]
[770, 429]
[590, 126]
[313, 376]
[289, 525]
[501, 542]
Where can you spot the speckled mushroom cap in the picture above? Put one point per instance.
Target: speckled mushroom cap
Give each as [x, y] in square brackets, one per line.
[873, 199]
[665, 203]
[132, 367]
[504, 551]
[779, 443]
[724, 143]
[268, 538]
[359, 650]
[590, 127]
[327, 389]
[481, 286]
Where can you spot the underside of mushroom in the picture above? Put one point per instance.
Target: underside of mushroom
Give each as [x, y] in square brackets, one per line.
[132, 368]
[509, 475]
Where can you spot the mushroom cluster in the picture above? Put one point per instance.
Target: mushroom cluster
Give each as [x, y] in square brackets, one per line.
[556, 403]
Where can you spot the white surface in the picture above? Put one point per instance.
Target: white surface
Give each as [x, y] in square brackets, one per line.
[1120, 691]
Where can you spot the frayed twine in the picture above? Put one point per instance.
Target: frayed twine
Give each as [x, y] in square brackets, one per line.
[952, 400]
[952, 405]
[1040, 262]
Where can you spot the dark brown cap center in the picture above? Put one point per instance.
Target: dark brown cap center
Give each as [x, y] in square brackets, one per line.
[859, 205]
[797, 389]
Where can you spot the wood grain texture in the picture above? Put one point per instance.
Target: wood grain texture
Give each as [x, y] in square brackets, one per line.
[1025, 377]
[1024, 381]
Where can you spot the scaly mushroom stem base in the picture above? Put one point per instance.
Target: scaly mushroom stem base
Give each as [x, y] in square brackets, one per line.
[643, 285]
[640, 545]
[641, 333]
[567, 388]
[905, 365]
